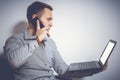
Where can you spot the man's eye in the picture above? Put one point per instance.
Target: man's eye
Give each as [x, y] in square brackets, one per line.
[48, 19]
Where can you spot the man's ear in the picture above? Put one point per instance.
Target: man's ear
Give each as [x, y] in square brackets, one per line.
[33, 16]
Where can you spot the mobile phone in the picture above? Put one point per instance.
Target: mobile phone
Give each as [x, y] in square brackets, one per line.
[34, 21]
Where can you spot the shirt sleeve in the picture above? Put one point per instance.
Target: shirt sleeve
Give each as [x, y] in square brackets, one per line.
[58, 63]
[17, 53]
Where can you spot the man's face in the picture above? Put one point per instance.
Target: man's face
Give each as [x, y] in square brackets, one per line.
[46, 18]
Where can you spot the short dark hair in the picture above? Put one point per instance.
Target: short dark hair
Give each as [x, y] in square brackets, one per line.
[36, 7]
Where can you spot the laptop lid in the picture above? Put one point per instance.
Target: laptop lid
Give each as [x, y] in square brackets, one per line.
[107, 52]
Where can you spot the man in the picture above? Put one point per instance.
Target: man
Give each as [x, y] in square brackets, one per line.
[33, 53]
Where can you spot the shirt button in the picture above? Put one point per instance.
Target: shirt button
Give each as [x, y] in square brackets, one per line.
[45, 64]
[35, 46]
[48, 71]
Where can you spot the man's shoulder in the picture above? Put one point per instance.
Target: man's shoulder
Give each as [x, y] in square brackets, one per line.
[15, 37]
[49, 39]
[52, 42]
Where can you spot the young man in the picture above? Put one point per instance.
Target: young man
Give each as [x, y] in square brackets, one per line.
[33, 53]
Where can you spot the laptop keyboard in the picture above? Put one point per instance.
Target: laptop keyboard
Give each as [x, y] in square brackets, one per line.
[82, 69]
[84, 65]
[87, 65]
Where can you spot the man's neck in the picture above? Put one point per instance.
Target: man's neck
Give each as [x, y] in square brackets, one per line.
[30, 29]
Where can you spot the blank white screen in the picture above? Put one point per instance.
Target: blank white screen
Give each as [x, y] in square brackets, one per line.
[107, 52]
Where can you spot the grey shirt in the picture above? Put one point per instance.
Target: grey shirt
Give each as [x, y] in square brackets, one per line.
[32, 61]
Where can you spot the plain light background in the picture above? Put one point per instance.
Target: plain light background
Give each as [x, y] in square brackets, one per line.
[81, 29]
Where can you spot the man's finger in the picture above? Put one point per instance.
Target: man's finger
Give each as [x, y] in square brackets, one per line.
[38, 25]
[48, 34]
[47, 29]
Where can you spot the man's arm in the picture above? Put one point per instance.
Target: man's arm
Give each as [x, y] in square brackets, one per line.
[16, 52]
[58, 63]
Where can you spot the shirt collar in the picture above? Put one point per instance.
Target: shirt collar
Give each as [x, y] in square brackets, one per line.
[28, 36]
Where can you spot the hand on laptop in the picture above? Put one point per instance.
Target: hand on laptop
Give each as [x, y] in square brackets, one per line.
[105, 67]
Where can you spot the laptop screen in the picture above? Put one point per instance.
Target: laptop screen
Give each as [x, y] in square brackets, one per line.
[107, 51]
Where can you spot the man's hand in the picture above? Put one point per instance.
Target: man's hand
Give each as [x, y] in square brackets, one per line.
[105, 67]
[41, 33]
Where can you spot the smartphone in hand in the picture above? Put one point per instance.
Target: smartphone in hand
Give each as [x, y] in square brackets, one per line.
[34, 23]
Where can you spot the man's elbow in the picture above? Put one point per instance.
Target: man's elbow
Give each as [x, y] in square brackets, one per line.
[14, 64]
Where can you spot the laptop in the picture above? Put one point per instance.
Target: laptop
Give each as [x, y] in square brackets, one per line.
[91, 67]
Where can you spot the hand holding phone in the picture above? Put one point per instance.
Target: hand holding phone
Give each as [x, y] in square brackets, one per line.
[34, 23]
[40, 30]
